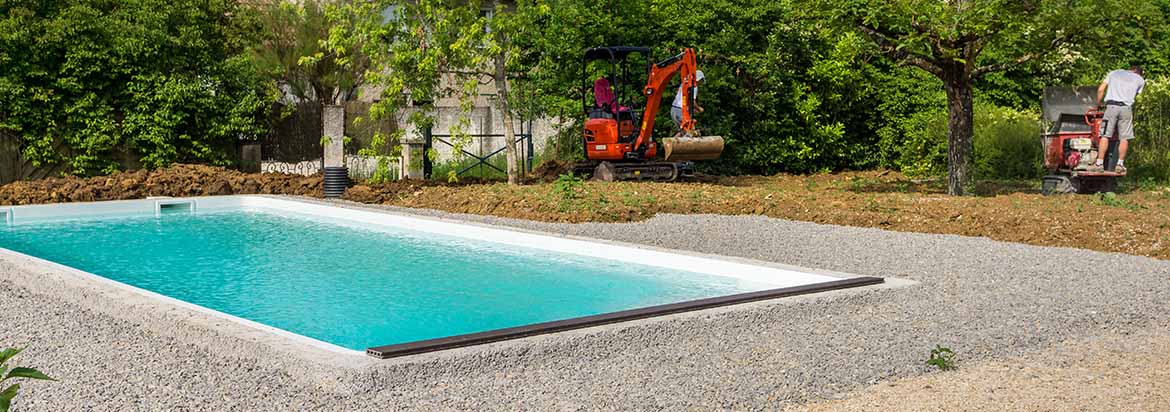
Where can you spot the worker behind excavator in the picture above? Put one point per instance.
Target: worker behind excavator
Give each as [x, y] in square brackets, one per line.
[676, 108]
[1117, 94]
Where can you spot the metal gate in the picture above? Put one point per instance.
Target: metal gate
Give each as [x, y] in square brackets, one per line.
[293, 143]
[523, 142]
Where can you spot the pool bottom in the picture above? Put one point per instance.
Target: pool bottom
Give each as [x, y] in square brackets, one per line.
[480, 338]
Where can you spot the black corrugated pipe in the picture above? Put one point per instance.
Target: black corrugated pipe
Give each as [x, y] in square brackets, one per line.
[336, 180]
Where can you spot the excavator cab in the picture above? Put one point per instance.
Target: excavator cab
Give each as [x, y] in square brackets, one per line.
[612, 79]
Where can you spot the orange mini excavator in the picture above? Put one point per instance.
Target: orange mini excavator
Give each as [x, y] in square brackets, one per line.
[618, 138]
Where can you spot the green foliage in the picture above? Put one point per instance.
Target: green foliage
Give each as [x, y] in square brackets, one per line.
[916, 144]
[961, 43]
[942, 358]
[910, 121]
[1113, 200]
[792, 85]
[382, 172]
[86, 83]
[1007, 144]
[1149, 151]
[307, 47]
[9, 392]
[568, 186]
[427, 50]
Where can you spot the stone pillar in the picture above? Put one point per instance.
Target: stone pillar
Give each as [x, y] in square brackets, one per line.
[333, 128]
[250, 158]
[410, 164]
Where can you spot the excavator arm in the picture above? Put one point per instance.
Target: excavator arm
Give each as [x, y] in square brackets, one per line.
[660, 74]
[683, 148]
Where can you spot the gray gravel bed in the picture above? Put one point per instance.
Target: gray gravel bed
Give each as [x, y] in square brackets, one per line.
[985, 299]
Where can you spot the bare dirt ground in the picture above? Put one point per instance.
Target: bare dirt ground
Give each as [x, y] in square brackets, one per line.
[1111, 373]
[1136, 222]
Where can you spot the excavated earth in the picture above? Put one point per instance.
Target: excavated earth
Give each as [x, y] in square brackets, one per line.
[1136, 222]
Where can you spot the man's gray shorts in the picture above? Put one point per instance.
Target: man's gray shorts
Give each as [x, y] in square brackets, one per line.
[676, 115]
[1118, 119]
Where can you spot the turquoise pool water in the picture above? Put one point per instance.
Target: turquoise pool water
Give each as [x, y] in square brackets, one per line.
[352, 286]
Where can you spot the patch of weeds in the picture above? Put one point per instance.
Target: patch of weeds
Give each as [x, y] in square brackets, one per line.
[1149, 184]
[856, 184]
[635, 200]
[1113, 200]
[902, 186]
[810, 184]
[568, 186]
[602, 201]
[942, 358]
[598, 205]
[873, 205]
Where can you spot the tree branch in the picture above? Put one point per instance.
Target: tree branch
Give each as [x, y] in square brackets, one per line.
[991, 68]
[885, 39]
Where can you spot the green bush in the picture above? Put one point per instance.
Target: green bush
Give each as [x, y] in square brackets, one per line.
[917, 144]
[1007, 144]
[84, 82]
[1149, 152]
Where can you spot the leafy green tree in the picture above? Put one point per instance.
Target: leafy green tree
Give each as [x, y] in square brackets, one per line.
[89, 82]
[291, 48]
[444, 49]
[962, 41]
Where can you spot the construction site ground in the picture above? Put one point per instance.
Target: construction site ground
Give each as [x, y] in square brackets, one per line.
[1110, 369]
[1135, 221]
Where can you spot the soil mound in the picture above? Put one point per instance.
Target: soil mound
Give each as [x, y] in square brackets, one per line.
[178, 180]
[550, 170]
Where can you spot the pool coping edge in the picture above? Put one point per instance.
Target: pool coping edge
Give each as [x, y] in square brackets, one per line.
[519, 332]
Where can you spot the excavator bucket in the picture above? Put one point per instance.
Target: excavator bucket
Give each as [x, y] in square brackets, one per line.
[692, 148]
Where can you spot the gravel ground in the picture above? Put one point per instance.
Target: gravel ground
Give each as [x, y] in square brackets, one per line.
[987, 300]
[1116, 372]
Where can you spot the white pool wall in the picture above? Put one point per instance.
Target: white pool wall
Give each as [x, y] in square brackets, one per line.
[756, 276]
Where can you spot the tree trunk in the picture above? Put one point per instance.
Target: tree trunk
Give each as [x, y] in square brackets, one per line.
[506, 112]
[960, 132]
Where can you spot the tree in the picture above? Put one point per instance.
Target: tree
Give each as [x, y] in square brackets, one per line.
[437, 49]
[96, 86]
[962, 41]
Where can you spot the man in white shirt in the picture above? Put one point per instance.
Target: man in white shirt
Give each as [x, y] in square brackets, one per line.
[676, 107]
[1117, 94]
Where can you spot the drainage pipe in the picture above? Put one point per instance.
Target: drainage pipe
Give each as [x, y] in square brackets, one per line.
[336, 180]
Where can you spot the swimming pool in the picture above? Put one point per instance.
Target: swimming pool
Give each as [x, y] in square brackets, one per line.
[384, 283]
